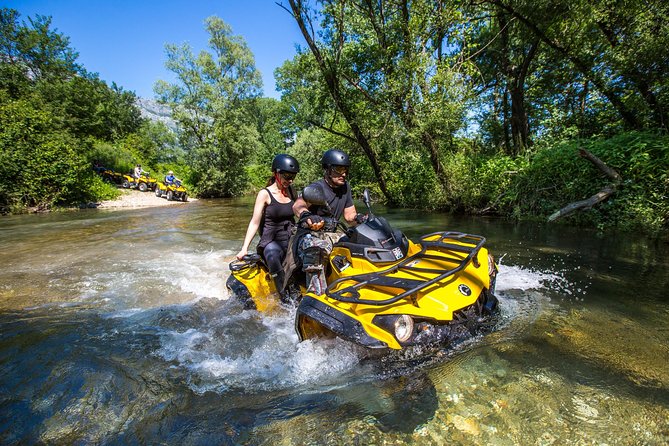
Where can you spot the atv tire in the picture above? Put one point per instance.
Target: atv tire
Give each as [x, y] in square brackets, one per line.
[184, 197]
[170, 195]
[125, 184]
[159, 193]
[142, 187]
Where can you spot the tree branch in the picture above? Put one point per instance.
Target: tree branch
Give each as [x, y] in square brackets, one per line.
[330, 130]
[583, 204]
[615, 176]
[600, 196]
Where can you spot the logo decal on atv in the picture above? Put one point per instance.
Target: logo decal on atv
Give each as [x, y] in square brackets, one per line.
[464, 289]
[397, 252]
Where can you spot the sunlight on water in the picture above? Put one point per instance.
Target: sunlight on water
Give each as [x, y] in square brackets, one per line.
[117, 329]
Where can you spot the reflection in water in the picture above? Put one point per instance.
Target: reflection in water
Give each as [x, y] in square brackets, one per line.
[116, 328]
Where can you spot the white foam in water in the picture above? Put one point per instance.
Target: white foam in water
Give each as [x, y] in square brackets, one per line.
[517, 278]
[134, 282]
[200, 274]
[278, 361]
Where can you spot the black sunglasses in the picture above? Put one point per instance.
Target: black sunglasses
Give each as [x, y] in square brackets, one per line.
[339, 170]
[288, 176]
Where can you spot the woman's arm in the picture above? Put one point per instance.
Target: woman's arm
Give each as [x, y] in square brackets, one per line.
[262, 200]
[300, 206]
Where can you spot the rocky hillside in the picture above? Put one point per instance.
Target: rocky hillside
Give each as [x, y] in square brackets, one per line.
[154, 111]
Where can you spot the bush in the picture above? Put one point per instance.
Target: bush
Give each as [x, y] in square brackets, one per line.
[557, 176]
[40, 165]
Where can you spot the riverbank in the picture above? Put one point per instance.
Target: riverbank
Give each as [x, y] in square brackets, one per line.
[130, 198]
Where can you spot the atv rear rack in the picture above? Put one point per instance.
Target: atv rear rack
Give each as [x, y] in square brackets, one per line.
[350, 294]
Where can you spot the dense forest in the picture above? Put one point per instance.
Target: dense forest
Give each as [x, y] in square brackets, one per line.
[514, 108]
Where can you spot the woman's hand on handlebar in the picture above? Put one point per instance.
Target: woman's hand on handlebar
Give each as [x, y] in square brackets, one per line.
[240, 255]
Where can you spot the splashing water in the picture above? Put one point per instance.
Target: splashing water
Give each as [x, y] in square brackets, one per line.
[257, 352]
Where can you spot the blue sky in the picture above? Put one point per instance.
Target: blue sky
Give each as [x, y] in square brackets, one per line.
[124, 40]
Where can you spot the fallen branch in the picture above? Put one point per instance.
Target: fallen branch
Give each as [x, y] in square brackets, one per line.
[492, 206]
[583, 204]
[615, 176]
[600, 196]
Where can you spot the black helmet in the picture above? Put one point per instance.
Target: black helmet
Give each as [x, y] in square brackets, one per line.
[285, 163]
[334, 157]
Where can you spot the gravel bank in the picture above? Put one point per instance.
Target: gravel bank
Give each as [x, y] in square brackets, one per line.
[135, 199]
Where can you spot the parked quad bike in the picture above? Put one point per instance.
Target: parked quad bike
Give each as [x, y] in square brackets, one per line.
[385, 291]
[174, 191]
[143, 183]
[112, 177]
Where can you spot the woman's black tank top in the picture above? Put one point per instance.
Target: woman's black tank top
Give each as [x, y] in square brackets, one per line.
[277, 222]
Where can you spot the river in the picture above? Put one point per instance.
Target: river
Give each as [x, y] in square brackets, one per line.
[116, 328]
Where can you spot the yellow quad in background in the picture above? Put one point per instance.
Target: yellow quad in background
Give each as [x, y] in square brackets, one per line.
[112, 177]
[174, 191]
[143, 183]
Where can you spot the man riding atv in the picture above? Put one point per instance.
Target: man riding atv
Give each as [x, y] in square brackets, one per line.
[171, 179]
[140, 179]
[171, 188]
[317, 224]
[384, 290]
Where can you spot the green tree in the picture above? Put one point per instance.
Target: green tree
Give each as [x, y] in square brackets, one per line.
[212, 101]
[53, 115]
[39, 164]
[390, 70]
[32, 52]
[616, 46]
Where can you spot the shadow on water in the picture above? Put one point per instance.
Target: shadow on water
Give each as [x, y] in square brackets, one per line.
[398, 404]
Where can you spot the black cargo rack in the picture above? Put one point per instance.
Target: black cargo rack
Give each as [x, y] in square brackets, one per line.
[351, 294]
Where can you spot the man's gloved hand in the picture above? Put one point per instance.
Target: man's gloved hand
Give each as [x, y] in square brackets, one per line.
[311, 221]
[361, 218]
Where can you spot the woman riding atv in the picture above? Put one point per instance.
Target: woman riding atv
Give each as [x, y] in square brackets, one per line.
[273, 218]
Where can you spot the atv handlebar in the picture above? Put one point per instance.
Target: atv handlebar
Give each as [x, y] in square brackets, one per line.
[247, 261]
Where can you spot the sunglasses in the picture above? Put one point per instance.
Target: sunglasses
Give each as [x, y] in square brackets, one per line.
[288, 176]
[339, 170]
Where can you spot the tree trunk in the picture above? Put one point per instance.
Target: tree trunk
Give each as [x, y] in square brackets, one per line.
[515, 75]
[329, 72]
[581, 65]
[519, 125]
[600, 196]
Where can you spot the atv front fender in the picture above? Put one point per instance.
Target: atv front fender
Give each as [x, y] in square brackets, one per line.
[313, 315]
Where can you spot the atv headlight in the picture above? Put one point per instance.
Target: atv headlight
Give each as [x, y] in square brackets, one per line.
[403, 327]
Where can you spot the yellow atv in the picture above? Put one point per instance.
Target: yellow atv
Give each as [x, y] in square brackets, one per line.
[143, 183]
[173, 191]
[112, 177]
[385, 291]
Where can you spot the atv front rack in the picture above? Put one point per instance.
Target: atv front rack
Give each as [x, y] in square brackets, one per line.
[471, 244]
